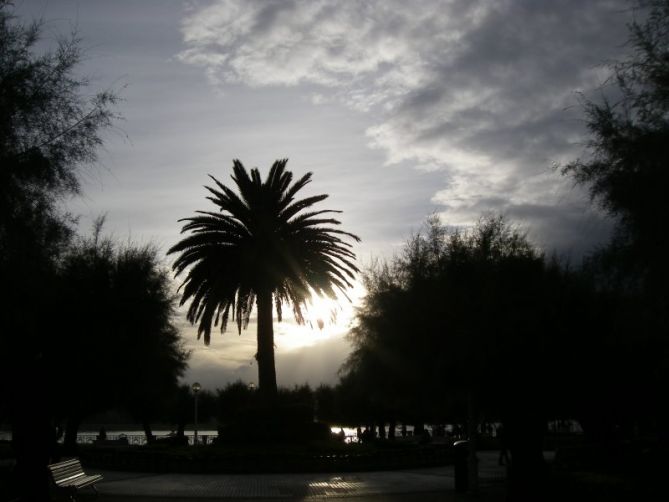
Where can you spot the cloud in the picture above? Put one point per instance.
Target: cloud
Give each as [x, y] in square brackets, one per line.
[486, 92]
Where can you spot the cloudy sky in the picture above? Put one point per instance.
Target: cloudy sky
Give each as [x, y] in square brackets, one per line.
[400, 109]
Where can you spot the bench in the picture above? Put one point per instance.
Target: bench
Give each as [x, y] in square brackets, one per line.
[69, 475]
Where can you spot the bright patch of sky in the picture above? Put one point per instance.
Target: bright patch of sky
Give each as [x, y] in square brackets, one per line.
[400, 109]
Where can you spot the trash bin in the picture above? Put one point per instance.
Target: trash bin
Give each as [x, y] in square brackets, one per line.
[461, 475]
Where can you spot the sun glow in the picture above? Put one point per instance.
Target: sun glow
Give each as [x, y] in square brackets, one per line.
[324, 318]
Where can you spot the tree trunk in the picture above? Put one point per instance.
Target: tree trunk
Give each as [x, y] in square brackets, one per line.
[71, 430]
[33, 440]
[148, 432]
[391, 429]
[33, 432]
[472, 435]
[525, 433]
[265, 356]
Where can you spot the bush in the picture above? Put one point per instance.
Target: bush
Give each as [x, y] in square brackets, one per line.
[273, 431]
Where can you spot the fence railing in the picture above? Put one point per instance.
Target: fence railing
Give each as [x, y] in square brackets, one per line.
[137, 439]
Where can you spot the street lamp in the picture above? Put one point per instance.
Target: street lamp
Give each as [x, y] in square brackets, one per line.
[196, 388]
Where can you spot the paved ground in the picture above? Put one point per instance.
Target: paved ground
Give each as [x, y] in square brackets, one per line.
[424, 484]
[488, 496]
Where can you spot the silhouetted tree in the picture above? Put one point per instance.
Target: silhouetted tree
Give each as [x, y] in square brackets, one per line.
[262, 249]
[233, 400]
[624, 167]
[297, 403]
[156, 359]
[625, 170]
[181, 410]
[327, 405]
[136, 355]
[207, 403]
[49, 129]
[461, 323]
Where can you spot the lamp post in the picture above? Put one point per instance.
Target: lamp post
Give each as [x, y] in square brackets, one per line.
[196, 388]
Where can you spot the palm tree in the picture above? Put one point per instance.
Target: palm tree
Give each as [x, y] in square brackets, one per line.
[260, 248]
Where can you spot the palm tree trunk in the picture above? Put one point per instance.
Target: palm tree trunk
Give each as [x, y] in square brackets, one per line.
[265, 356]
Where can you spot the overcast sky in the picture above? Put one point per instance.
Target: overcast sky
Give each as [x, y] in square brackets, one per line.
[401, 109]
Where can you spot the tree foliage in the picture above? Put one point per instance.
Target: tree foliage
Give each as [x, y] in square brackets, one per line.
[479, 325]
[625, 164]
[625, 170]
[48, 130]
[125, 328]
[446, 314]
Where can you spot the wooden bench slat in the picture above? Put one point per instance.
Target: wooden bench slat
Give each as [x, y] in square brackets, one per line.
[67, 466]
[77, 482]
[72, 461]
[88, 480]
[68, 480]
[66, 473]
[84, 478]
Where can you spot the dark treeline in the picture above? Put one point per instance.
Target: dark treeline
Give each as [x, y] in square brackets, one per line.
[478, 326]
[240, 403]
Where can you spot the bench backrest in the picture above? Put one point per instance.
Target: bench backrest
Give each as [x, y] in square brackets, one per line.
[66, 470]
